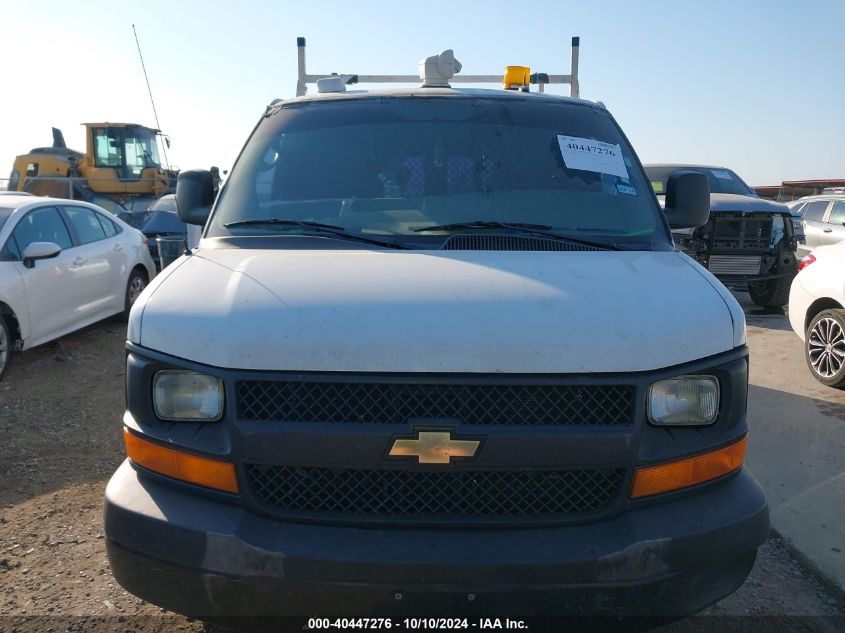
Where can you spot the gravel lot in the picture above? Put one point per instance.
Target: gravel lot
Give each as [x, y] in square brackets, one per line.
[60, 411]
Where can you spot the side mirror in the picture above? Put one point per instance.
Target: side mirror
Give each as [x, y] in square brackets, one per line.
[39, 250]
[194, 196]
[687, 199]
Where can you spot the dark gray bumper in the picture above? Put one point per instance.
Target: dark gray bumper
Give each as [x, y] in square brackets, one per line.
[199, 556]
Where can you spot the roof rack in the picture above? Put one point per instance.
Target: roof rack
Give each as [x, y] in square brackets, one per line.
[540, 79]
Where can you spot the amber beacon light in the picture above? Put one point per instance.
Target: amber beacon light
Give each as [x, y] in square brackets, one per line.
[516, 78]
[210, 473]
[675, 475]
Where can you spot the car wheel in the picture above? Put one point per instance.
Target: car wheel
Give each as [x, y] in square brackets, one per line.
[772, 293]
[134, 287]
[5, 346]
[824, 347]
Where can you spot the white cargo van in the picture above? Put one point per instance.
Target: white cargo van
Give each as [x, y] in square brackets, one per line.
[436, 353]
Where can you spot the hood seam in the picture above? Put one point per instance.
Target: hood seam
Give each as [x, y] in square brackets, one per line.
[247, 275]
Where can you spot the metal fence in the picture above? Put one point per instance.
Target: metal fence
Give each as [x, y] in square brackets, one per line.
[71, 188]
[66, 184]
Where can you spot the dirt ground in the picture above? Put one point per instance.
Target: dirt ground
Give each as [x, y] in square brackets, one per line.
[60, 439]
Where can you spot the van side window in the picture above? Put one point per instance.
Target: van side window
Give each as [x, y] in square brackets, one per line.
[86, 224]
[42, 225]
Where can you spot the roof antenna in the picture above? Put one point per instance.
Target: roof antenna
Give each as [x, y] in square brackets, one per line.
[150, 90]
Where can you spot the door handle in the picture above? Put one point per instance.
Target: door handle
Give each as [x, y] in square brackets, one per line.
[118, 247]
[828, 230]
[79, 261]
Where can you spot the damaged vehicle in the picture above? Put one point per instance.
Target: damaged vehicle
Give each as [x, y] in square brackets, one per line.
[747, 241]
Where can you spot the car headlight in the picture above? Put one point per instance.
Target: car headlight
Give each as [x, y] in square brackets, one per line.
[684, 401]
[181, 395]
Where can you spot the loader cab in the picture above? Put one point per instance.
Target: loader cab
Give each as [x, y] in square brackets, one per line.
[123, 158]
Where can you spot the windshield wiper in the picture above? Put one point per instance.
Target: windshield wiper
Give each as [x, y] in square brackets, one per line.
[535, 229]
[257, 221]
[331, 229]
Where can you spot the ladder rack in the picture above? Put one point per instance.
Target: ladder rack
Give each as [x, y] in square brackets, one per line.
[540, 79]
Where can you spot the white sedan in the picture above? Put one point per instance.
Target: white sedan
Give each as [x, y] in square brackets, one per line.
[816, 312]
[64, 264]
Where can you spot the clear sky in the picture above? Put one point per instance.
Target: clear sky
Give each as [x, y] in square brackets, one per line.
[755, 85]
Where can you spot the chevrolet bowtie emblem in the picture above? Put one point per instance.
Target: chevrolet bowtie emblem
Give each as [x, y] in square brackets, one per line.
[433, 447]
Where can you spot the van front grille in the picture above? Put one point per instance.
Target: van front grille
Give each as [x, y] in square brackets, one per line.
[357, 493]
[398, 403]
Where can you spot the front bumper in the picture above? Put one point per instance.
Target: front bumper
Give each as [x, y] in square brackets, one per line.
[203, 557]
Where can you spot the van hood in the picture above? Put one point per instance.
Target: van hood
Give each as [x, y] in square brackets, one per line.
[435, 311]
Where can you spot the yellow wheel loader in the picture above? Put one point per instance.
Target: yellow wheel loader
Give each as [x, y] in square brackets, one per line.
[121, 163]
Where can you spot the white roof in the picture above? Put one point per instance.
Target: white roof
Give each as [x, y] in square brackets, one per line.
[16, 200]
[436, 92]
[821, 196]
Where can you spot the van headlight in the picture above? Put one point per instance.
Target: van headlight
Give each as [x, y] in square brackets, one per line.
[684, 401]
[181, 395]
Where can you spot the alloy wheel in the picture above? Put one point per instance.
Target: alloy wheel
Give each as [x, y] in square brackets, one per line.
[826, 347]
[136, 287]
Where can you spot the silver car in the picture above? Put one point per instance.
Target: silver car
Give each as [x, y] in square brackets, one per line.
[824, 220]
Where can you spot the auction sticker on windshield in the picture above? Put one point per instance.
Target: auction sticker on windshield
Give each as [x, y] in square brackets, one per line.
[590, 155]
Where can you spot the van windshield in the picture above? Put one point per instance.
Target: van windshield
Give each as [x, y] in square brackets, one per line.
[390, 166]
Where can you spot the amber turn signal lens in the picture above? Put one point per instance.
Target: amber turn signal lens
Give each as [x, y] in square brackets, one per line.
[201, 471]
[653, 480]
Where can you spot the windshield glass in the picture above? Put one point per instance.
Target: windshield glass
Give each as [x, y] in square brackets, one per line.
[141, 149]
[130, 150]
[721, 180]
[165, 203]
[387, 166]
[163, 222]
